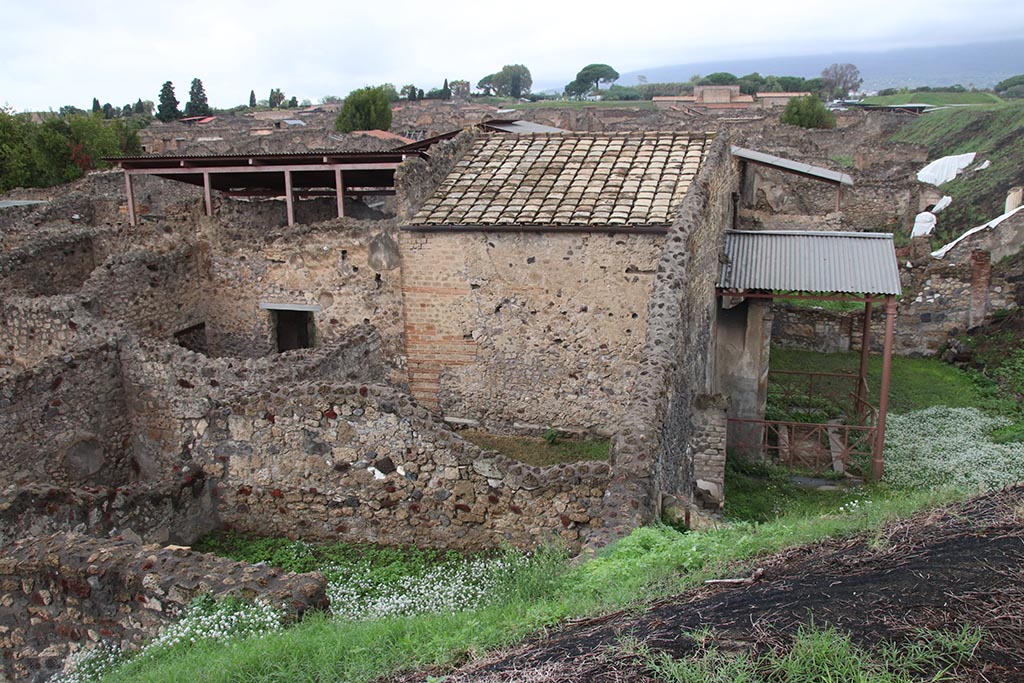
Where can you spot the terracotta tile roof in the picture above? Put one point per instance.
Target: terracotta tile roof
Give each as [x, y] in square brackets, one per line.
[571, 179]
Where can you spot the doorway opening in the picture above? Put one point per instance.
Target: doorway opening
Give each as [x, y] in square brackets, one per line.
[294, 330]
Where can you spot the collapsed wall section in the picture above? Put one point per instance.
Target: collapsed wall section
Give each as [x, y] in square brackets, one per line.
[62, 592]
[524, 331]
[653, 453]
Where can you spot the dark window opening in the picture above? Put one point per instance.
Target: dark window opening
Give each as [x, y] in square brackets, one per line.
[193, 338]
[294, 330]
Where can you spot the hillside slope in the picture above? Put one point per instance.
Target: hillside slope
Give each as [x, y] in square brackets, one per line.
[995, 133]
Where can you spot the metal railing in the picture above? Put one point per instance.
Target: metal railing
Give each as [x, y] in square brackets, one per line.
[848, 432]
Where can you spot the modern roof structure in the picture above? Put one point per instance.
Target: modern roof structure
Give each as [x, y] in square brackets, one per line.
[790, 166]
[288, 175]
[631, 181]
[517, 126]
[825, 262]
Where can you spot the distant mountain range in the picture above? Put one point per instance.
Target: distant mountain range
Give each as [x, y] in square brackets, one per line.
[980, 65]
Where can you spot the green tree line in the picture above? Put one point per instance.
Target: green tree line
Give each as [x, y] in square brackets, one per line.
[60, 148]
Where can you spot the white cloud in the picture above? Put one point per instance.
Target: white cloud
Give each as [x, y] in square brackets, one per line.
[58, 52]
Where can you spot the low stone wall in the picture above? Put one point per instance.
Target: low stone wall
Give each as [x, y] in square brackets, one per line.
[365, 463]
[178, 509]
[62, 592]
[64, 421]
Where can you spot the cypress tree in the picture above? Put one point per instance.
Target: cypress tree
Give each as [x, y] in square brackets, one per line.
[252, 98]
[168, 110]
[197, 104]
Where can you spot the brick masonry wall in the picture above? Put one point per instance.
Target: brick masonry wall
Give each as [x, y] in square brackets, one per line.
[61, 592]
[526, 331]
[652, 454]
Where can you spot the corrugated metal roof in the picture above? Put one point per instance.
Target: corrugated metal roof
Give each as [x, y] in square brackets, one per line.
[511, 126]
[792, 166]
[793, 261]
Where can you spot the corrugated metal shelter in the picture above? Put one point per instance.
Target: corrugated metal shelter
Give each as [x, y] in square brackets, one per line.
[845, 266]
[793, 261]
[837, 178]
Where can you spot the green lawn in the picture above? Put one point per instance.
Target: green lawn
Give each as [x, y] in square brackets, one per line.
[936, 98]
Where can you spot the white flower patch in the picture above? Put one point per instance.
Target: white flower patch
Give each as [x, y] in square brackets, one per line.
[943, 446]
[89, 665]
[445, 588]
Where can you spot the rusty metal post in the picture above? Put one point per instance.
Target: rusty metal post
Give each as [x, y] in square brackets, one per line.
[289, 197]
[862, 374]
[877, 464]
[339, 188]
[130, 191]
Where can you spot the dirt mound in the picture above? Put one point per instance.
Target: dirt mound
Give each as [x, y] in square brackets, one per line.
[961, 566]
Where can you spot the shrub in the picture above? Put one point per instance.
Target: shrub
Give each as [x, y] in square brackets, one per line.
[365, 109]
[808, 112]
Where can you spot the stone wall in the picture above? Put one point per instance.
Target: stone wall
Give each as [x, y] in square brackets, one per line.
[178, 509]
[362, 462]
[652, 454]
[416, 178]
[152, 293]
[62, 592]
[33, 329]
[57, 265]
[519, 330]
[350, 269]
[64, 421]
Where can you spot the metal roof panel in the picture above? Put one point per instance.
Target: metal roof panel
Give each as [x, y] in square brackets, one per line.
[834, 262]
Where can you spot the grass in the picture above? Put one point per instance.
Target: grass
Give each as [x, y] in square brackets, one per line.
[650, 563]
[995, 133]
[817, 655]
[538, 450]
[936, 98]
[915, 383]
[760, 492]
[647, 105]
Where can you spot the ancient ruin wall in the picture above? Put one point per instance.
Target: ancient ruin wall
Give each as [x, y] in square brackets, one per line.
[361, 462]
[527, 331]
[416, 178]
[153, 293]
[62, 592]
[349, 268]
[64, 421]
[57, 265]
[652, 454]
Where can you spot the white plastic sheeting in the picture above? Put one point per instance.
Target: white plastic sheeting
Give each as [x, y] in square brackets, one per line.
[939, 253]
[942, 204]
[945, 169]
[924, 223]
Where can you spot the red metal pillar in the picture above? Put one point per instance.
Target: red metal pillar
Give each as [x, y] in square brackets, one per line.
[289, 197]
[130, 191]
[877, 465]
[865, 348]
[339, 188]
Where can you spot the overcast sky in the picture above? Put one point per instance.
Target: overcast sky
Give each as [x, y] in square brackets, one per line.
[54, 53]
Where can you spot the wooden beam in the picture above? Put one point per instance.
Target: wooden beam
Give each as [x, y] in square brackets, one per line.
[339, 188]
[130, 191]
[172, 170]
[289, 197]
[206, 193]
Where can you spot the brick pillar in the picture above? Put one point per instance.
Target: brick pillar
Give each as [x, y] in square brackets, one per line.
[981, 278]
